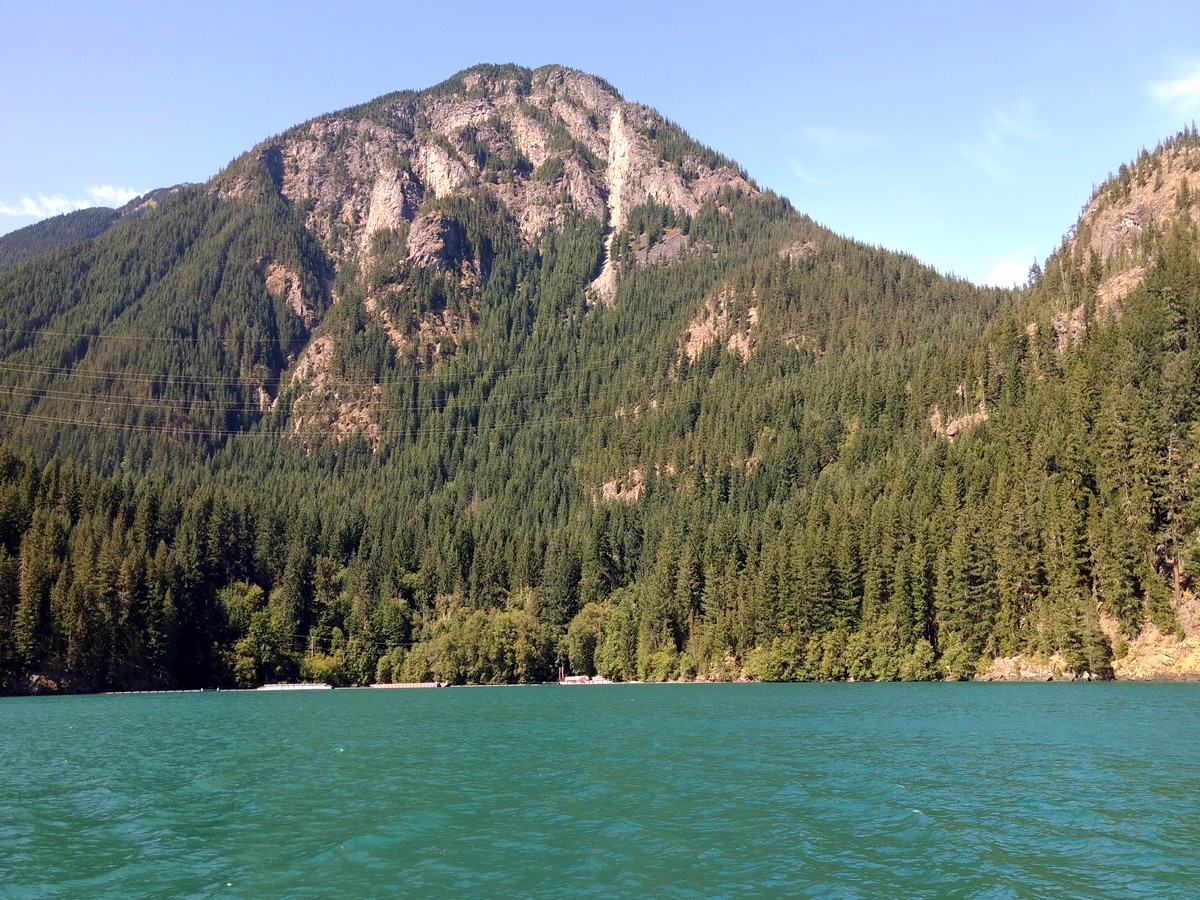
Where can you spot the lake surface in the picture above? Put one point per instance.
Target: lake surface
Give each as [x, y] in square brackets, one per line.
[667, 790]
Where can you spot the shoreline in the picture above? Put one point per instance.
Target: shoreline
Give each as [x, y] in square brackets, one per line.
[1187, 678]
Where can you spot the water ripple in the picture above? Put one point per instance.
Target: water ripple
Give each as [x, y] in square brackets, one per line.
[675, 791]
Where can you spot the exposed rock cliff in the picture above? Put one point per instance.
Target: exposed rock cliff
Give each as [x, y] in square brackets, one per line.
[721, 319]
[1116, 225]
[550, 145]
[1150, 656]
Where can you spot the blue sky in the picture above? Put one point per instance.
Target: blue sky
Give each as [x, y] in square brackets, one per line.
[967, 134]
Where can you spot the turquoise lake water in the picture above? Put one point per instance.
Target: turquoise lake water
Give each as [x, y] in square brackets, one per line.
[1049, 790]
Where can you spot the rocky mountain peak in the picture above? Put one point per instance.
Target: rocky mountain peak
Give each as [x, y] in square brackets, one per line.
[546, 147]
[550, 144]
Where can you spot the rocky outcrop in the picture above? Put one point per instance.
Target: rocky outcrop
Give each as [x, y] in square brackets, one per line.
[1147, 196]
[1154, 656]
[636, 174]
[799, 251]
[395, 198]
[668, 248]
[1151, 656]
[436, 241]
[355, 172]
[283, 282]
[1110, 247]
[949, 427]
[1188, 616]
[719, 320]
[1029, 668]
[324, 404]
[624, 490]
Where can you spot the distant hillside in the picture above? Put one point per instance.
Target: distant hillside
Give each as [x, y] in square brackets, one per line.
[70, 228]
[47, 234]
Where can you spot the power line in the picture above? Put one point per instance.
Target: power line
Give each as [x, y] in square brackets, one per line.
[141, 338]
[194, 431]
[76, 372]
[192, 405]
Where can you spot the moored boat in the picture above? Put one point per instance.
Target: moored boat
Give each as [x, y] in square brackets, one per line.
[583, 679]
[399, 685]
[297, 686]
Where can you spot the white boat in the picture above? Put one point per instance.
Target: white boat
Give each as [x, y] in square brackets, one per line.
[400, 685]
[297, 686]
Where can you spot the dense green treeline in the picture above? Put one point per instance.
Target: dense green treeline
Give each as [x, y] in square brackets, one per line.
[67, 228]
[72, 227]
[482, 497]
[911, 557]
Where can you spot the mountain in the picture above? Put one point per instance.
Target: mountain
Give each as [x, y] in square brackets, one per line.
[509, 374]
[70, 228]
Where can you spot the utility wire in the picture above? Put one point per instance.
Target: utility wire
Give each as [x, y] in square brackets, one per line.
[76, 372]
[167, 430]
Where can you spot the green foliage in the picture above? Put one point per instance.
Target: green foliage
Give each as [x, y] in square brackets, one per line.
[776, 661]
[674, 146]
[160, 327]
[583, 634]
[549, 171]
[57, 231]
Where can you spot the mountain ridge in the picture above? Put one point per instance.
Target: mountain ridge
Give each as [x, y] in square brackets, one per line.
[604, 155]
[72, 227]
[470, 383]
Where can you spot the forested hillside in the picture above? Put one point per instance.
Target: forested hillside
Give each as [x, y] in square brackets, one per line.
[70, 228]
[509, 374]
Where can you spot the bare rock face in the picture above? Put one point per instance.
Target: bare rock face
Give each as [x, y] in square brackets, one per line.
[1154, 656]
[441, 173]
[671, 246]
[550, 145]
[623, 490]
[717, 321]
[354, 173]
[1150, 656]
[325, 404]
[395, 199]
[1188, 615]
[950, 426]
[1114, 234]
[1027, 668]
[1114, 219]
[436, 241]
[283, 282]
[1158, 189]
[798, 251]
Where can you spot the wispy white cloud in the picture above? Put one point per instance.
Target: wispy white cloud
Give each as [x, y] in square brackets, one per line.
[823, 149]
[45, 205]
[1183, 93]
[992, 149]
[41, 207]
[837, 142]
[111, 195]
[802, 172]
[1009, 271]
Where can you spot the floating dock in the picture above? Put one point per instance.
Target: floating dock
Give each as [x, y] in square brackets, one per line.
[297, 686]
[401, 685]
